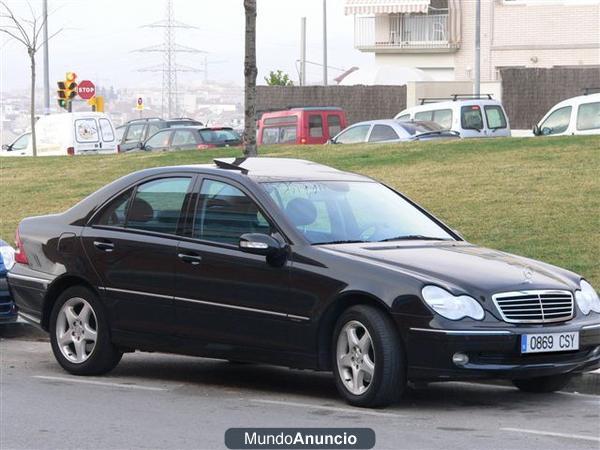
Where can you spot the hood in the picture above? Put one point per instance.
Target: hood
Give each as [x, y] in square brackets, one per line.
[460, 266]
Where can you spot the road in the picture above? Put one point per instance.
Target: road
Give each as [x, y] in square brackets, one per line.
[168, 402]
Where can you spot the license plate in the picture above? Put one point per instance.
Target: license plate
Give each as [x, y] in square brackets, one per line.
[550, 342]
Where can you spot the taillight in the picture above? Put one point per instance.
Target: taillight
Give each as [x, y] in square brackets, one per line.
[303, 141]
[71, 151]
[20, 255]
[205, 146]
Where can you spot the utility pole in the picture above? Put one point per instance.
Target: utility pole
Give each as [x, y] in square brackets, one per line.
[46, 67]
[477, 77]
[325, 42]
[303, 51]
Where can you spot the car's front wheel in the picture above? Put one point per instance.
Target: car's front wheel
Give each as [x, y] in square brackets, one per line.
[79, 334]
[540, 385]
[368, 358]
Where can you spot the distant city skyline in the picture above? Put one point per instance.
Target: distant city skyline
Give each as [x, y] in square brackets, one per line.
[101, 47]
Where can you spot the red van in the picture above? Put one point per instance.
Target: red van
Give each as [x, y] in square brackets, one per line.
[314, 125]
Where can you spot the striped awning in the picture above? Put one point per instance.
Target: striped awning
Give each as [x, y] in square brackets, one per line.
[385, 6]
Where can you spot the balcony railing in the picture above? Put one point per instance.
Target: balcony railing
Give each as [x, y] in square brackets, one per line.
[403, 32]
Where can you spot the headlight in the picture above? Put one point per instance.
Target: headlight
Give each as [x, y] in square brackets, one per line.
[450, 306]
[587, 298]
[8, 256]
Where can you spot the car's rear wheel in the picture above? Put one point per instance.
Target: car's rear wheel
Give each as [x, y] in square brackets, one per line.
[79, 334]
[368, 358]
[540, 385]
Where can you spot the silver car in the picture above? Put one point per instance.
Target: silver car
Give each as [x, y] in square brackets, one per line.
[390, 130]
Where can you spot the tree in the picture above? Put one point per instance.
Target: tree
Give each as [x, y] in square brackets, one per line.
[27, 32]
[250, 73]
[278, 78]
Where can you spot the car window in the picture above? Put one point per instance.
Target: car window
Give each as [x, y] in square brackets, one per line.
[22, 142]
[334, 124]
[120, 130]
[315, 125]
[224, 213]
[153, 128]
[183, 138]
[134, 133]
[159, 140]
[470, 118]
[279, 135]
[157, 205]
[106, 130]
[413, 128]
[382, 133]
[270, 135]
[495, 117]
[424, 115]
[115, 213]
[222, 135]
[557, 122]
[443, 117]
[588, 116]
[353, 135]
[86, 130]
[404, 117]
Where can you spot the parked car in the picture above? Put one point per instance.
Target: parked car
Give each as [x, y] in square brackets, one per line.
[574, 116]
[77, 133]
[463, 114]
[315, 125]
[293, 263]
[189, 138]
[19, 147]
[390, 130]
[139, 130]
[8, 309]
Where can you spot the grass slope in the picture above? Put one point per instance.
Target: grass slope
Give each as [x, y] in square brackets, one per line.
[535, 197]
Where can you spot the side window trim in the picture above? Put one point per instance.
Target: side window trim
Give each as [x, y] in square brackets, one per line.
[195, 203]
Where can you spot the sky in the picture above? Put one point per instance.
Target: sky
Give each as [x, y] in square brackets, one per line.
[99, 38]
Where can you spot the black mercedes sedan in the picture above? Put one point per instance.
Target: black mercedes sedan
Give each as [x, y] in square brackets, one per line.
[293, 263]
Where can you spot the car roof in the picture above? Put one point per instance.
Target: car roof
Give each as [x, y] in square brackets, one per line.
[450, 104]
[264, 169]
[589, 98]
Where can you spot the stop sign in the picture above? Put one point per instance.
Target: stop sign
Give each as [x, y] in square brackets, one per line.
[86, 89]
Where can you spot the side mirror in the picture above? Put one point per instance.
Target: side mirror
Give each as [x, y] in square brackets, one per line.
[536, 130]
[6, 147]
[265, 245]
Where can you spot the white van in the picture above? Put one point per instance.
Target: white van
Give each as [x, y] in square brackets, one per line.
[574, 116]
[76, 133]
[469, 116]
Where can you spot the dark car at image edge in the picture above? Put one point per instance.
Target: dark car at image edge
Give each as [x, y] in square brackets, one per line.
[293, 263]
[8, 309]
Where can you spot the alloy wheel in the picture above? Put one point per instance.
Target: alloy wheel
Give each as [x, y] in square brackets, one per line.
[76, 330]
[355, 357]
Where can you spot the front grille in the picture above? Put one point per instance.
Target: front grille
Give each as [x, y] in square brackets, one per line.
[534, 306]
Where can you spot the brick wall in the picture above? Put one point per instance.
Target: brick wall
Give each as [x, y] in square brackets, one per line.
[359, 102]
[527, 94]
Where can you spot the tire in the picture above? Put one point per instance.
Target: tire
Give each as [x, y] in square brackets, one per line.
[383, 378]
[76, 315]
[541, 385]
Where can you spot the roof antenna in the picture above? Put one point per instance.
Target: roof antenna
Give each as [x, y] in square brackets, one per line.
[231, 166]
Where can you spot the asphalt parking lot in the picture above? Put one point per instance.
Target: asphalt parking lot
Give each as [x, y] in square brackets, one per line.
[166, 401]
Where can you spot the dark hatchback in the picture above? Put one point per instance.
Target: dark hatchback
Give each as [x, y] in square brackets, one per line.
[294, 263]
[8, 309]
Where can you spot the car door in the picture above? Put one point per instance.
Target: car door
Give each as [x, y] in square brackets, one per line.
[471, 122]
[588, 118]
[158, 141]
[223, 296]
[132, 245]
[353, 135]
[383, 133]
[87, 136]
[183, 140]
[132, 136]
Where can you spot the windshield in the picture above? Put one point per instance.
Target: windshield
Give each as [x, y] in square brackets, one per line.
[219, 135]
[413, 128]
[341, 211]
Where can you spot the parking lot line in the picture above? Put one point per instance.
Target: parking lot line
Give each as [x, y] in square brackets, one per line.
[360, 411]
[551, 433]
[99, 383]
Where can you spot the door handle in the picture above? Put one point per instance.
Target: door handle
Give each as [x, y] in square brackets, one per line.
[104, 246]
[190, 258]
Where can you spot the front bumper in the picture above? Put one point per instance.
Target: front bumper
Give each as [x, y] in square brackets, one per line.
[495, 353]
[8, 309]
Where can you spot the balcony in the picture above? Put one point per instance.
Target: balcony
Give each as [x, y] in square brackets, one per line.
[405, 33]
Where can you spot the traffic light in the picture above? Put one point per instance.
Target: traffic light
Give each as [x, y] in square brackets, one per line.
[97, 103]
[67, 90]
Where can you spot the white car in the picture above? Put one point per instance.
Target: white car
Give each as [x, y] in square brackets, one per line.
[390, 130]
[470, 117]
[574, 116]
[61, 134]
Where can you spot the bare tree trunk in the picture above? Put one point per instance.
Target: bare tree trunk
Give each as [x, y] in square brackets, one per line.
[250, 72]
[32, 110]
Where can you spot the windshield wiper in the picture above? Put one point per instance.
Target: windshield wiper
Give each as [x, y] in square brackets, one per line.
[413, 237]
[348, 241]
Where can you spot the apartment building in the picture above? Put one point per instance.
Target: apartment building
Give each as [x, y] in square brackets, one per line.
[438, 36]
